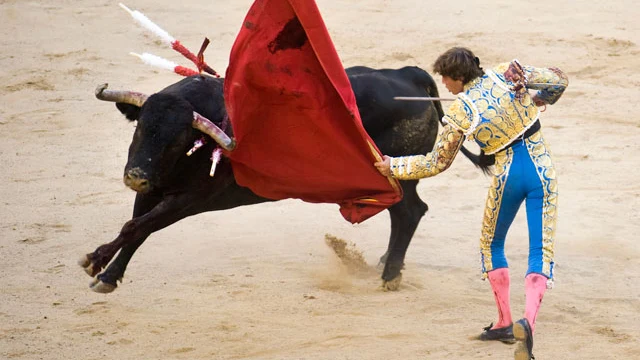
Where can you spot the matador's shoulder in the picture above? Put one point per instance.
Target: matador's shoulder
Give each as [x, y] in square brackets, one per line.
[460, 114]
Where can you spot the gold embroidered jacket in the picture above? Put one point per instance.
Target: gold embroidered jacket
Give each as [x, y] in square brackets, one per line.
[487, 111]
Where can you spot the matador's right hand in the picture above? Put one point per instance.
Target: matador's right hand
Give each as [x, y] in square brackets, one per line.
[384, 166]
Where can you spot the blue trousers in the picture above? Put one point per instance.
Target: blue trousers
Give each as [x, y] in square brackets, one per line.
[523, 172]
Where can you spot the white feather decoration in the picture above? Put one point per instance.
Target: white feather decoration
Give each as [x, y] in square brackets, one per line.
[145, 22]
[156, 61]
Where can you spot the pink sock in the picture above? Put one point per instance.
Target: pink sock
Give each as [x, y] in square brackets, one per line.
[499, 280]
[534, 286]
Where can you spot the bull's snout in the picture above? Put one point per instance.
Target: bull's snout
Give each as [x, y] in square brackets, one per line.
[136, 180]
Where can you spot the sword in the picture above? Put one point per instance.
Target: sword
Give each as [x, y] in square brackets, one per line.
[418, 98]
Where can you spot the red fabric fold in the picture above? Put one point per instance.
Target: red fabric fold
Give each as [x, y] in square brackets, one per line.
[294, 115]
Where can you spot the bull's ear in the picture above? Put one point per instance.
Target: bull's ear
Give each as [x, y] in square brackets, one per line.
[131, 112]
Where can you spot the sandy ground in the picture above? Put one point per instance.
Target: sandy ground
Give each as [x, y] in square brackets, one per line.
[259, 282]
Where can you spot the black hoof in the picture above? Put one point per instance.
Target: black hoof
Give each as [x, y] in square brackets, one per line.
[392, 285]
[88, 265]
[391, 271]
[101, 287]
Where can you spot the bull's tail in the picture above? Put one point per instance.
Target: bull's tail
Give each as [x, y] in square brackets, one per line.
[481, 161]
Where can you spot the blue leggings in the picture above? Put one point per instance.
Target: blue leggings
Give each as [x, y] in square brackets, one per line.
[523, 171]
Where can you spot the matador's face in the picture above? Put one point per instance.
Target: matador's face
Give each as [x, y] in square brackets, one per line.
[454, 86]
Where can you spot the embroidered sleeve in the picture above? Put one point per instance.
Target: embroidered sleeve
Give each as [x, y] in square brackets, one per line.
[550, 82]
[422, 166]
[459, 115]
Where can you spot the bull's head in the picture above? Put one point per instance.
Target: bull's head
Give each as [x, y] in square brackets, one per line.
[157, 147]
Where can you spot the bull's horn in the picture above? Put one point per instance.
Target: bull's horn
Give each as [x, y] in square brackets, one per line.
[127, 97]
[206, 126]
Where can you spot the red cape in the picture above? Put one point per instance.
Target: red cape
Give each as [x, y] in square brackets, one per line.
[294, 115]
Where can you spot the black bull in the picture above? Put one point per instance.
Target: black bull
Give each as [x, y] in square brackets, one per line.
[171, 186]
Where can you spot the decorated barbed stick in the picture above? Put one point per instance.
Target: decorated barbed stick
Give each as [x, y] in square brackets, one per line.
[175, 44]
[215, 159]
[157, 61]
[197, 145]
[215, 155]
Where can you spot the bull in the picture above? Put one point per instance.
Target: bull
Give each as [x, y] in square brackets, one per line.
[171, 186]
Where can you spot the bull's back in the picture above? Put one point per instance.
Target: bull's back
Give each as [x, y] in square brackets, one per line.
[397, 127]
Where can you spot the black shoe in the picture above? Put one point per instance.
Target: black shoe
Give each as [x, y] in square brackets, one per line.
[504, 334]
[522, 333]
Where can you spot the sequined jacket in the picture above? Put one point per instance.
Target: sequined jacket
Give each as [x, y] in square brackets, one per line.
[488, 112]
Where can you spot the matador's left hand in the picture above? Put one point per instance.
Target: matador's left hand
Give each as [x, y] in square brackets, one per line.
[384, 166]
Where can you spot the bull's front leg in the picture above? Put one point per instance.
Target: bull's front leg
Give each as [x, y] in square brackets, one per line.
[133, 229]
[107, 281]
[166, 212]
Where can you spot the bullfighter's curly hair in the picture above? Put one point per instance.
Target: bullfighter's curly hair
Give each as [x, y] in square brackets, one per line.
[458, 63]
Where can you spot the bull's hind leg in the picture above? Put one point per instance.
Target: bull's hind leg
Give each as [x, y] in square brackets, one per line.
[405, 217]
[392, 239]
